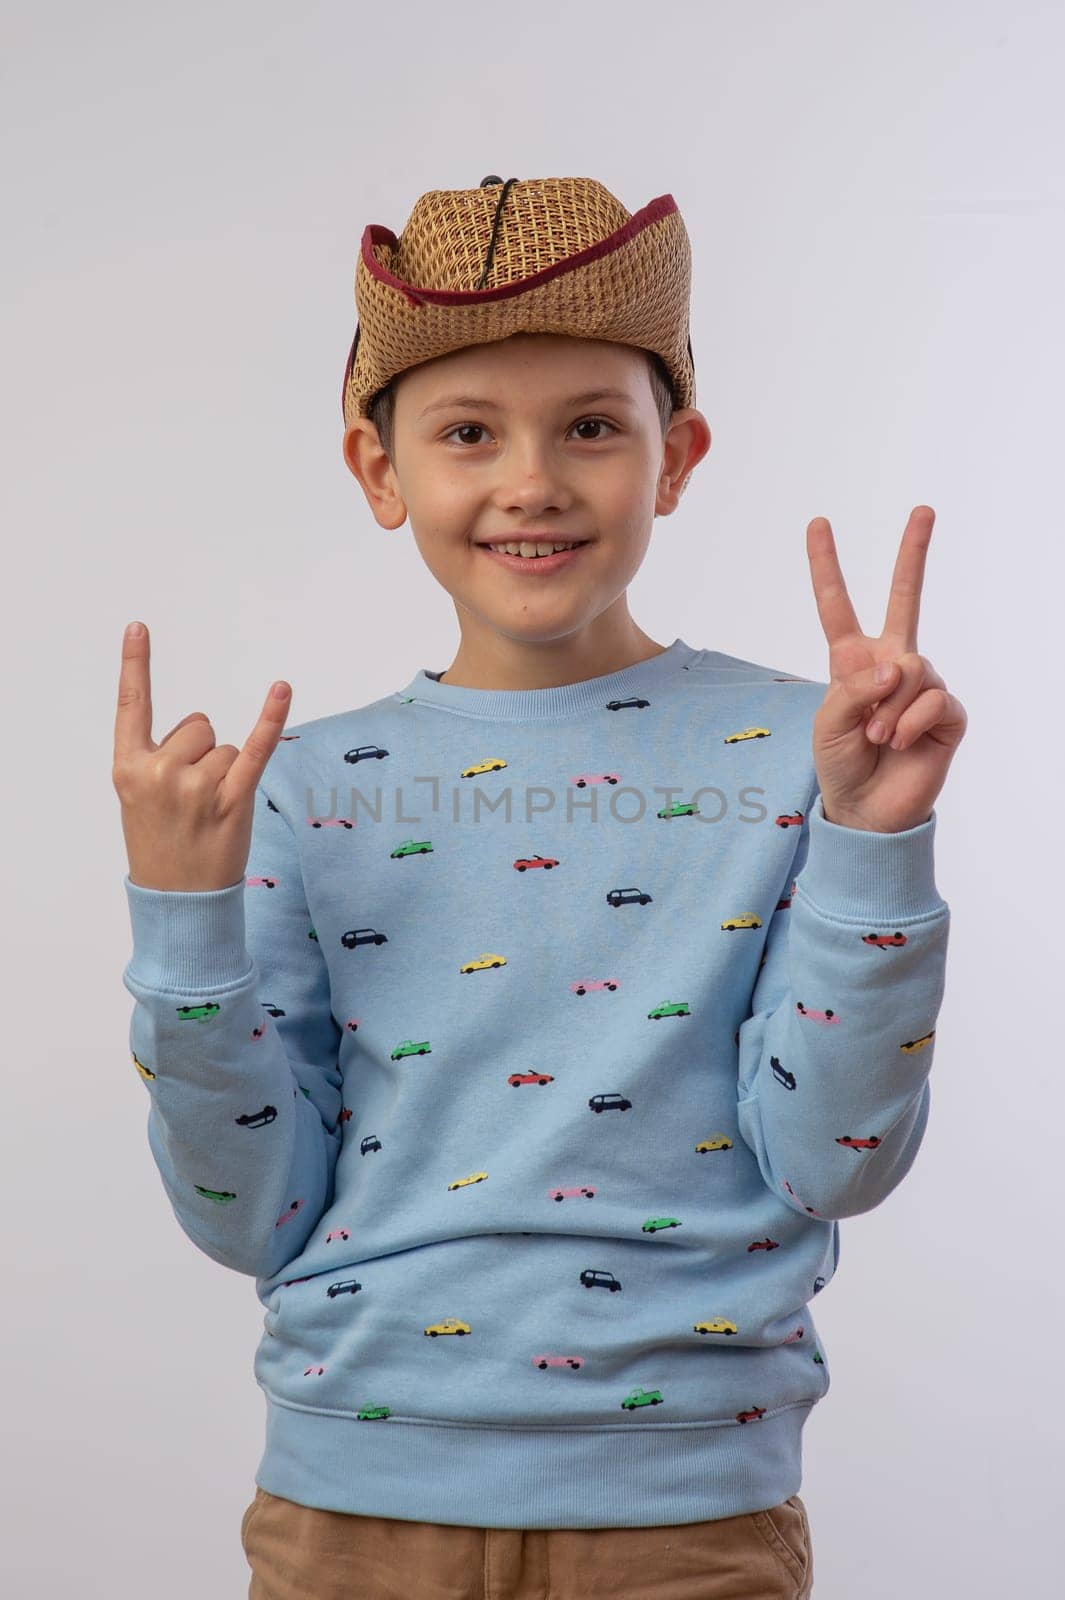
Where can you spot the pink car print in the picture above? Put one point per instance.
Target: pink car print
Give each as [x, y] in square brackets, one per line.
[288, 1214]
[330, 822]
[816, 1016]
[568, 1194]
[595, 777]
[352, 1023]
[265, 883]
[584, 985]
[337, 1233]
[558, 1361]
[313, 1372]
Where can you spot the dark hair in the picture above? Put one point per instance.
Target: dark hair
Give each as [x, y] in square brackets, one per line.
[383, 406]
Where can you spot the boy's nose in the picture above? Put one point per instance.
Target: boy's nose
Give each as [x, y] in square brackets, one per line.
[530, 483]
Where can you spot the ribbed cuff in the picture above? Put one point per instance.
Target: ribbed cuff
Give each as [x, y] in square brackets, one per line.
[881, 877]
[187, 939]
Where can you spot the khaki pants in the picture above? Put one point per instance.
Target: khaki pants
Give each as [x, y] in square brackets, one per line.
[298, 1553]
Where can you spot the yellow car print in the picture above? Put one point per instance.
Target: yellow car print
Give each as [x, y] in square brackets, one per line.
[145, 1072]
[715, 1325]
[746, 733]
[483, 766]
[484, 960]
[746, 919]
[474, 1177]
[719, 1141]
[449, 1325]
[917, 1044]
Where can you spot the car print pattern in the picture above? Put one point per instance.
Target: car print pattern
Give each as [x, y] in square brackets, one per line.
[592, 1277]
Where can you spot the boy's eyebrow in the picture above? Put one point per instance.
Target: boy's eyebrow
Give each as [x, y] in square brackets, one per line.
[589, 397]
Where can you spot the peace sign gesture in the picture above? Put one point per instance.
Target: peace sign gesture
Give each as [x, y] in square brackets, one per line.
[881, 774]
[187, 803]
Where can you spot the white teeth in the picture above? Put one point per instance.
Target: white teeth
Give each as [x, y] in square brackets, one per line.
[525, 549]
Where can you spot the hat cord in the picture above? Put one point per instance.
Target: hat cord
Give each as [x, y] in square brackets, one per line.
[495, 228]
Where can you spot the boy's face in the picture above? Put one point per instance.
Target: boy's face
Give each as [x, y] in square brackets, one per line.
[528, 455]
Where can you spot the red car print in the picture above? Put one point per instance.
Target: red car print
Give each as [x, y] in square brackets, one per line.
[586, 985]
[558, 1361]
[882, 940]
[288, 1214]
[518, 1078]
[782, 905]
[751, 1416]
[828, 1016]
[859, 1144]
[763, 1244]
[789, 819]
[337, 1233]
[524, 862]
[569, 1194]
[258, 1032]
[352, 1024]
[266, 883]
[345, 1115]
[584, 778]
[794, 1337]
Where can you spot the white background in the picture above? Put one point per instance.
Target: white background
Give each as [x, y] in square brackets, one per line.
[874, 195]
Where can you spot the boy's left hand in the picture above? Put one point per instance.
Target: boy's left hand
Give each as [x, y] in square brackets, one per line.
[865, 781]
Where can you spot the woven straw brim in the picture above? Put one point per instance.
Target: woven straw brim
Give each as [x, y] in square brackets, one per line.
[608, 276]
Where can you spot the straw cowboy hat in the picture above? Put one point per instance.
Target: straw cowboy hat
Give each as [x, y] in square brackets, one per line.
[545, 255]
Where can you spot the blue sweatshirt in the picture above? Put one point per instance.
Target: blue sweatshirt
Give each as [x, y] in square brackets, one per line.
[529, 1071]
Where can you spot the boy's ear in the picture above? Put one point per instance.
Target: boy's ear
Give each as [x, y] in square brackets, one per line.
[368, 461]
[684, 446]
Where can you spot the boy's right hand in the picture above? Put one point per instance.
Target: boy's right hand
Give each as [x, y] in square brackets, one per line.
[187, 804]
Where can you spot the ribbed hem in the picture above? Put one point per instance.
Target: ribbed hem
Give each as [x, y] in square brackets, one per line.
[187, 939]
[883, 877]
[566, 700]
[629, 1476]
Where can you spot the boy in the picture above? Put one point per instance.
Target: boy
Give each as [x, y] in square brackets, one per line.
[532, 1104]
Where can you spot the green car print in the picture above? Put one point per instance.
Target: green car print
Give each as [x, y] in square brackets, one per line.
[198, 1013]
[670, 1008]
[371, 1413]
[641, 1397]
[653, 1224]
[223, 1196]
[407, 1047]
[411, 847]
[679, 808]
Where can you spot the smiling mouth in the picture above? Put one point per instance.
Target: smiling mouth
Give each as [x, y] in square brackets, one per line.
[533, 549]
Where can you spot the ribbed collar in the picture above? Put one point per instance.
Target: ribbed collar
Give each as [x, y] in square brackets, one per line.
[566, 700]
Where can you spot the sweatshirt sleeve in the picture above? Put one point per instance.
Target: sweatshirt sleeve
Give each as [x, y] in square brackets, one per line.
[234, 1038]
[835, 1057]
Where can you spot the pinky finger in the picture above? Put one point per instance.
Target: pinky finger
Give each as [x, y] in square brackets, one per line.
[935, 711]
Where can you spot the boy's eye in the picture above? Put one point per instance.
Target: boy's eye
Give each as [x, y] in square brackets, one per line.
[585, 422]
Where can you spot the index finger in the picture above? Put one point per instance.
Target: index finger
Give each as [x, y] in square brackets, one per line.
[133, 719]
[260, 744]
[837, 614]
